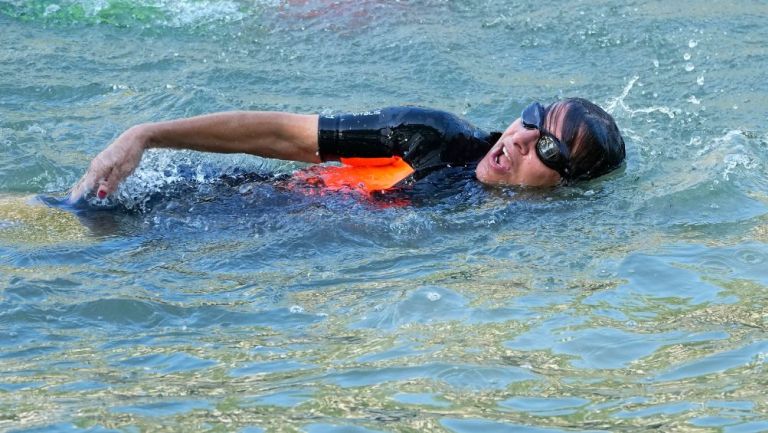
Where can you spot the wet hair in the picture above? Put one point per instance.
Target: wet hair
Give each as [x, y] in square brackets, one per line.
[592, 136]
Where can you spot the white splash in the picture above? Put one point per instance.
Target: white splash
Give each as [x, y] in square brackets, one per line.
[184, 13]
[733, 161]
[612, 104]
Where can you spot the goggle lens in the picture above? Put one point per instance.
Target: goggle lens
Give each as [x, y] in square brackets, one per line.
[548, 148]
[533, 116]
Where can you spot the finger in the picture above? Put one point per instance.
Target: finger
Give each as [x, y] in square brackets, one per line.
[108, 186]
[80, 189]
[104, 189]
[92, 180]
[88, 182]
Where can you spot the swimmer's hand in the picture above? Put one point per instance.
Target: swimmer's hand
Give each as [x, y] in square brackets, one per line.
[110, 167]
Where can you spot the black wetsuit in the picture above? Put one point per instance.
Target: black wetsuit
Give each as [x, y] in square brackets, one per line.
[426, 139]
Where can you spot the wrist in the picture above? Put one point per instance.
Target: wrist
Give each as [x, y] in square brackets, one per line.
[141, 135]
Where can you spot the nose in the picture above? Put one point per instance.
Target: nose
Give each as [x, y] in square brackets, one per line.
[525, 139]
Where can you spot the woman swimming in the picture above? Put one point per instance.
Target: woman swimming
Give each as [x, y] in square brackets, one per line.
[565, 142]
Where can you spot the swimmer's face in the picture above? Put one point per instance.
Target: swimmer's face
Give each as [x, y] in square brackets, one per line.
[513, 159]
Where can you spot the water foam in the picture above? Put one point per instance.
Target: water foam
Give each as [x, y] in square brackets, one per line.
[191, 13]
[164, 171]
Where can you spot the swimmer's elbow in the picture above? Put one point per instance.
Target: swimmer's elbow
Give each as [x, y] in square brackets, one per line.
[298, 139]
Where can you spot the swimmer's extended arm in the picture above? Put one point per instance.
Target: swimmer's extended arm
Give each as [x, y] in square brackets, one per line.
[268, 134]
[277, 135]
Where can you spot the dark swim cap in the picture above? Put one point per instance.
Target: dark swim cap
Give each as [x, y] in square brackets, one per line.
[592, 136]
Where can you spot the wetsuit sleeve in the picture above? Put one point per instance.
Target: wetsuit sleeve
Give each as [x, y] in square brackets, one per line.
[423, 137]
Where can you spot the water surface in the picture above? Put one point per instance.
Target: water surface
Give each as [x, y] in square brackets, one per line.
[209, 295]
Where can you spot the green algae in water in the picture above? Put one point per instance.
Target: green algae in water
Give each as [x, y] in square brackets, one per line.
[114, 12]
[123, 13]
[24, 223]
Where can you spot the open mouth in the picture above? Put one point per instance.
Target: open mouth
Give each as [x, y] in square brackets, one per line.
[501, 159]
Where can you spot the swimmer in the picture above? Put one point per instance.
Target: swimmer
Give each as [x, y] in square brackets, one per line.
[566, 142]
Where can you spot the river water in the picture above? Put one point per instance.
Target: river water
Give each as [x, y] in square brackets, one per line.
[210, 295]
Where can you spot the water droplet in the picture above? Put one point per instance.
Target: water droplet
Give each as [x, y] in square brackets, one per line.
[655, 63]
[687, 56]
[51, 9]
[296, 309]
[700, 80]
[433, 296]
[692, 43]
[689, 67]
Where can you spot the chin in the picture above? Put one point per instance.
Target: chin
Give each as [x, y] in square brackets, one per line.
[490, 181]
[487, 176]
[481, 174]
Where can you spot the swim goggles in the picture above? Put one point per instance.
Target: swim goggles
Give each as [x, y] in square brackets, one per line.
[551, 151]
